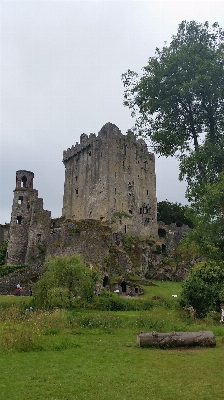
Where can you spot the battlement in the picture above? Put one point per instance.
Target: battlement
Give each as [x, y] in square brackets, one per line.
[108, 132]
[111, 173]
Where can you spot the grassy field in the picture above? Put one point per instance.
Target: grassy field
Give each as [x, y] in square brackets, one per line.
[90, 354]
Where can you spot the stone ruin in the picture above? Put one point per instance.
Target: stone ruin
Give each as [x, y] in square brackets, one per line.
[109, 192]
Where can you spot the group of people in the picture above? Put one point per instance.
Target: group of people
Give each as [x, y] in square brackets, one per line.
[19, 288]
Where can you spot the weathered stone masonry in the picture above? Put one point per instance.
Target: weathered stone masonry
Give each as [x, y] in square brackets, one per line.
[111, 177]
[30, 223]
[109, 191]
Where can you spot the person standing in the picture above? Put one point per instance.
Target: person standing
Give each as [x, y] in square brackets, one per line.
[18, 289]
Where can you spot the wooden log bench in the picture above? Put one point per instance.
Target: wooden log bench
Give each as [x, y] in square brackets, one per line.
[176, 339]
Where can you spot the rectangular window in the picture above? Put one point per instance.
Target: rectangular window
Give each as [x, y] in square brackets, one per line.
[20, 199]
[19, 220]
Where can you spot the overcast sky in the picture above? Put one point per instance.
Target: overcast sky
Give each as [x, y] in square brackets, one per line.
[61, 66]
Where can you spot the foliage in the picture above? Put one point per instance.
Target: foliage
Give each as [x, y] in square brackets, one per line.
[113, 302]
[203, 287]
[3, 252]
[64, 278]
[169, 213]
[120, 215]
[208, 216]
[44, 350]
[8, 269]
[179, 102]
[187, 250]
[132, 246]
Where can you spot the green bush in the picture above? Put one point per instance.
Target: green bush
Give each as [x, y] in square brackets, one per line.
[113, 302]
[7, 269]
[3, 252]
[203, 287]
[64, 278]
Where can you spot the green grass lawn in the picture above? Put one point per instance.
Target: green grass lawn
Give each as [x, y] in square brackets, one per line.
[84, 354]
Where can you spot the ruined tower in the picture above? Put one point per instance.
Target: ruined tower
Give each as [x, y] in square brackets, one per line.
[111, 177]
[29, 224]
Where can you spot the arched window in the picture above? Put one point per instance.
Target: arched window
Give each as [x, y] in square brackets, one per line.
[24, 180]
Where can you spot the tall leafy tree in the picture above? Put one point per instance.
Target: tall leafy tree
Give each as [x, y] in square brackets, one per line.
[169, 213]
[178, 103]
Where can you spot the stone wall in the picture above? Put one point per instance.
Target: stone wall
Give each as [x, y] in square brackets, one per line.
[111, 177]
[30, 223]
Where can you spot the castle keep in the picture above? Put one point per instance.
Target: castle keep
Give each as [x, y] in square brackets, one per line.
[111, 177]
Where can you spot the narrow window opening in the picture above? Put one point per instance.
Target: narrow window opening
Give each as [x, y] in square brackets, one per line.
[24, 180]
[76, 178]
[140, 211]
[125, 229]
[19, 220]
[123, 163]
[76, 191]
[115, 200]
[147, 192]
[101, 154]
[120, 222]
[20, 200]
[136, 289]
[130, 212]
[115, 174]
[115, 190]
[163, 248]
[38, 237]
[89, 153]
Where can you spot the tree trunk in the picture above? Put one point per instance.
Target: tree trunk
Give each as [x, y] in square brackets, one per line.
[176, 339]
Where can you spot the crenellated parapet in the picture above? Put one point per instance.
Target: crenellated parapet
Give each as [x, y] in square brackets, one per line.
[111, 174]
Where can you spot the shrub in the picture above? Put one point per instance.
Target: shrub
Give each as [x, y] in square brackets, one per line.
[3, 252]
[64, 278]
[203, 286]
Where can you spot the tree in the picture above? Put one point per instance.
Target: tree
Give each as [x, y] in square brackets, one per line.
[179, 103]
[3, 252]
[64, 278]
[169, 213]
[207, 217]
[204, 287]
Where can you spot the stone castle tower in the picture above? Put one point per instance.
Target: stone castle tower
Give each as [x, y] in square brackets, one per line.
[111, 177]
[30, 224]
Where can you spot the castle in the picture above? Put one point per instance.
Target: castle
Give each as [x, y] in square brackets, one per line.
[109, 217]
[109, 178]
[111, 175]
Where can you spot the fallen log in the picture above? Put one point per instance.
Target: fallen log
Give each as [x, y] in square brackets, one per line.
[176, 339]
